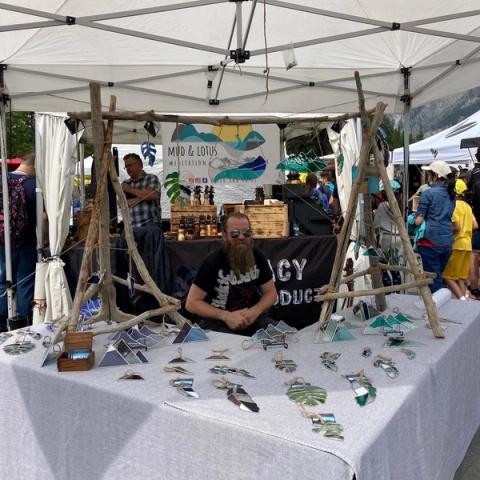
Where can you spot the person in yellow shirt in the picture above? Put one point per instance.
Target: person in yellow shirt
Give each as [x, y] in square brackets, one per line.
[458, 268]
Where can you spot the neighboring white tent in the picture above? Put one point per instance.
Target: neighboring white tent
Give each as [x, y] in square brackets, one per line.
[155, 54]
[444, 145]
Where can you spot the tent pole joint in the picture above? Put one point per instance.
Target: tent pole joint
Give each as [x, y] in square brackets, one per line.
[214, 101]
[240, 55]
[70, 20]
[407, 99]
[395, 26]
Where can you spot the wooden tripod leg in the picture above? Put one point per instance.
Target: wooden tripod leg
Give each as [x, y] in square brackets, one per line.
[95, 219]
[162, 299]
[376, 276]
[399, 221]
[344, 237]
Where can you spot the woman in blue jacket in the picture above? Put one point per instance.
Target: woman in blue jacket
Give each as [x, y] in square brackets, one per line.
[436, 207]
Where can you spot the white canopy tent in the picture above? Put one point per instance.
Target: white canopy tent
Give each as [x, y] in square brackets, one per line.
[222, 56]
[164, 56]
[157, 55]
[444, 145]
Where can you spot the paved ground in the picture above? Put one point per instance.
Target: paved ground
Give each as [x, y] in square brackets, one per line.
[470, 467]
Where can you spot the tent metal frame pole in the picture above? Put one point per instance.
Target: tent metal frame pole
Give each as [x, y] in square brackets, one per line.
[39, 195]
[238, 16]
[6, 213]
[249, 24]
[148, 11]
[406, 99]
[81, 162]
[318, 41]
[442, 18]
[32, 25]
[225, 59]
[150, 36]
[330, 13]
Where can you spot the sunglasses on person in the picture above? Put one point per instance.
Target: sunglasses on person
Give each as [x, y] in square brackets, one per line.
[236, 233]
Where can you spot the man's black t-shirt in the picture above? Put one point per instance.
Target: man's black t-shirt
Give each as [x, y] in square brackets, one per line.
[224, 289]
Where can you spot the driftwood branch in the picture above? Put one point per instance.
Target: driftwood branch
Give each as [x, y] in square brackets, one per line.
[425, 292]
[135, 320]
[97, 208]
[217, 120]
[399, 268]
[140, 288]
[344, 237]
[365, 293]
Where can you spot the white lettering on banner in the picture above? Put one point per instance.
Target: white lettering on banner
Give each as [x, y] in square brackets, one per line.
[299, 267]
[271, 268]
[295, 297]
[283, 269]
[283, 274]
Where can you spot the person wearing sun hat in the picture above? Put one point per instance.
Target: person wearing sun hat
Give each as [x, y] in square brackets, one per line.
[436, 207]
[458, 266]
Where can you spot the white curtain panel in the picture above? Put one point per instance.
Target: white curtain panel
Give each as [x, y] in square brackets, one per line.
[55, 171]
[345, 143]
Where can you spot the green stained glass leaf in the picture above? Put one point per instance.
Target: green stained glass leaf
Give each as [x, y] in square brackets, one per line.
[307, 394]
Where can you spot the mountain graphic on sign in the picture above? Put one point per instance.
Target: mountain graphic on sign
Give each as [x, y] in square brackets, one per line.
[241, 138]
[247, 171]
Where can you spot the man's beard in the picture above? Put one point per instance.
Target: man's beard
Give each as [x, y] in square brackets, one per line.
[240, 257]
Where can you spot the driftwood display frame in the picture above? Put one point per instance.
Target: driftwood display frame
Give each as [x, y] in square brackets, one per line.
[330, 292]
[98, 235]
[98, 229]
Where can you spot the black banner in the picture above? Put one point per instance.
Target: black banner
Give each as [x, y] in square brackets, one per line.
[299, 264]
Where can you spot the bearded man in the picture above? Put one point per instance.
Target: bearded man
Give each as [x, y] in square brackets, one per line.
[234, 286]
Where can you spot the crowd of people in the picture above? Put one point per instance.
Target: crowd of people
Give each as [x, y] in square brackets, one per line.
[446, 219]
[445, 225]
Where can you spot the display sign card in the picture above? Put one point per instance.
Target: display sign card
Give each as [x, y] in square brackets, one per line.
[221, 154]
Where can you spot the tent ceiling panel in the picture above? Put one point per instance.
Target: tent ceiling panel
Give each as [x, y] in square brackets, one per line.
[116, 42]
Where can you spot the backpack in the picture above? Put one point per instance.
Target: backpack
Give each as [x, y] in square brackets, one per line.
[17, 204]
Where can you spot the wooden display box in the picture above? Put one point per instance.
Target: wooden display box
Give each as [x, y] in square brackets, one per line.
[267, 221]
[177, 212]
[76, 341]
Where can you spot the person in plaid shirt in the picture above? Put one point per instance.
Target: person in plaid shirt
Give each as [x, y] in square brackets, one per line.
[143, 193]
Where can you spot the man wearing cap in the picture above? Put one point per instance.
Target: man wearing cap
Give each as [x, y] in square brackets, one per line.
[436, 208]
[458, 266]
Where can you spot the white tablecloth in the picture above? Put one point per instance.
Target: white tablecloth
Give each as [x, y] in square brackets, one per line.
[88, 425]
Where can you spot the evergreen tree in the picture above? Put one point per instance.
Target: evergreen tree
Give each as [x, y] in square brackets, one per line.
[20, 133]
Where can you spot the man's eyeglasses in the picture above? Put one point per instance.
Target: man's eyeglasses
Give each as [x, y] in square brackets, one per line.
[236, 233]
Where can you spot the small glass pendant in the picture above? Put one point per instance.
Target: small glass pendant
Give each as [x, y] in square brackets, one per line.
[185, 387]
[305, 393]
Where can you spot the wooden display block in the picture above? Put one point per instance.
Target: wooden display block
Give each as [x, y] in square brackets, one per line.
[267, 221]
[196, 210]
[74, 342]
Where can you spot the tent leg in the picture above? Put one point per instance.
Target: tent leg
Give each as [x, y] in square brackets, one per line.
[6, 213]
[39, 197]
[406, 99]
